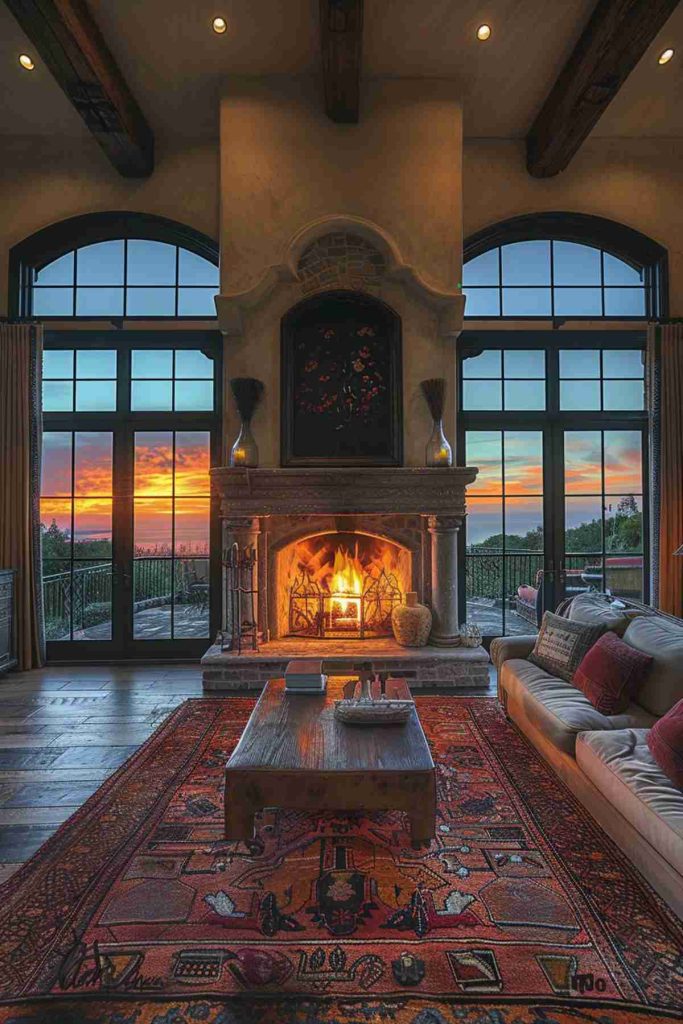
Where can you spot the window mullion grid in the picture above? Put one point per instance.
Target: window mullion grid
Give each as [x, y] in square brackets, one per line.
[71, 543]
[602, 282]
[125, 277]
[500, 279]
[173, 521]
[503, 519]
[173, 379]
[176, 289]
[552, 279]
[552, 379]
[603, 503]
[75, 283]
[74, 374]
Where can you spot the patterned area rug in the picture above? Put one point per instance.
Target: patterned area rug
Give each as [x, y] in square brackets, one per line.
[522, 911]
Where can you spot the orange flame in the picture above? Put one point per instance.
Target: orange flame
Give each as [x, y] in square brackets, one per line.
[347, 580]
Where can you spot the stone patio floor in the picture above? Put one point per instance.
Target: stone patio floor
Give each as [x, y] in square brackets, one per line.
[155, 624]
[191, 621]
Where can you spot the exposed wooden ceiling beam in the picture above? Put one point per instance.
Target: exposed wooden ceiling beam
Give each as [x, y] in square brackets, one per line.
[615, 38]
[71, 45]
[341, 41]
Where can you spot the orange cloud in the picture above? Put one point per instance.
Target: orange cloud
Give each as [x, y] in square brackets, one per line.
[154, 470]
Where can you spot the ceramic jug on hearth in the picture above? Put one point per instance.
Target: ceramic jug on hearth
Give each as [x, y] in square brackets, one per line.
[411, 622]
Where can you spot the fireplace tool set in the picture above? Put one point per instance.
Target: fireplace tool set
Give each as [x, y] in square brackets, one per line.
[240, 631]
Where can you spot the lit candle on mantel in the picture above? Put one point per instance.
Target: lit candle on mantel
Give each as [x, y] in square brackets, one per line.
[239, 457]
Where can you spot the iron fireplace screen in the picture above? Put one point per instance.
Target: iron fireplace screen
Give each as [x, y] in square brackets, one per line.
[316, 612]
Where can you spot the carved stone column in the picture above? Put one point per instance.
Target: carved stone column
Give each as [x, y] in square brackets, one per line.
[446, 624]
[245, 532]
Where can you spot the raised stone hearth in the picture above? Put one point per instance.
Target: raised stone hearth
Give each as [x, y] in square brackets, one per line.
[422, 667]
[415, 510]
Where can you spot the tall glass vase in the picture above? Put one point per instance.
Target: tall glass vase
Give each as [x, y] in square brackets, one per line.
[439, 452]
[244, 452]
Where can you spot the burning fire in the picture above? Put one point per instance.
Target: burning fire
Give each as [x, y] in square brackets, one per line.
[346, 585]
[341, 585]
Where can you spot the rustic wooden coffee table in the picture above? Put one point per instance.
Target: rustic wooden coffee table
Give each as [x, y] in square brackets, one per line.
[293, 753]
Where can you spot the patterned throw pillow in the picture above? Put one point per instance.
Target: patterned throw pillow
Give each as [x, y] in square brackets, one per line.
[561, 645]
[611, 674]
[665, 740]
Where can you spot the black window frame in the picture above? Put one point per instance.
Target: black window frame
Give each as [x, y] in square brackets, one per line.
[40, 249]
[620, 240]
[552, 421]
[124, 423]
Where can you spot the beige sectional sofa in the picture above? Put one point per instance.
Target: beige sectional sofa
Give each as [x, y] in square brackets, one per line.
[605, 760]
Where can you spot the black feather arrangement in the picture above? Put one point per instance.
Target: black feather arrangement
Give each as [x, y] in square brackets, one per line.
[247, 392]
[434, 391]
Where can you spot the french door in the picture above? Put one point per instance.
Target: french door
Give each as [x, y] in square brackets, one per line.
[560, 501]
[129, 536]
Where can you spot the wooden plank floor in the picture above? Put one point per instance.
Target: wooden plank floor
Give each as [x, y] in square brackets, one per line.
[65, 729]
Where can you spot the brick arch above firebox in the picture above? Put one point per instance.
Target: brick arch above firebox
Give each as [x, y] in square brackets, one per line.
[340, 260]
[381, 260]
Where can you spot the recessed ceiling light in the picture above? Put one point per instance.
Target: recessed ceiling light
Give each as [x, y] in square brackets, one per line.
[483, 33]
[666, 56]
[26, 61]
[219, 25]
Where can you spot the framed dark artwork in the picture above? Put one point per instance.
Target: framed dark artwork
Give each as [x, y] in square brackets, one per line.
[341, 383]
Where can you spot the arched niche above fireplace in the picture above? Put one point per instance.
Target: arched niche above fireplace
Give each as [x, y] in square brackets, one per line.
[341, 382]
[340, 260]
[339, 585]
[388, 265]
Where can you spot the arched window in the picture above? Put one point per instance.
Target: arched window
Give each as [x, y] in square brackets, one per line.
[555, 419]
[131, 426]
[115, 265]
[563, 265]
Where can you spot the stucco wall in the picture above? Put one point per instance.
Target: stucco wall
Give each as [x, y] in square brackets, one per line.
[638, 182]
[285, 164]
[43, 180]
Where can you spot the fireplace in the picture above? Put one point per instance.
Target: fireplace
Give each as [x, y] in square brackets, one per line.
[340, 586]
[333, 556]
[341, 514]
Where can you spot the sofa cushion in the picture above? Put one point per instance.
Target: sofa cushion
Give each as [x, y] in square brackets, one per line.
[611, 674]
[557, 708]
[663, 640]
[561, 645]
[665, 741]
[504, 647]
[620, 764]
[597, 608]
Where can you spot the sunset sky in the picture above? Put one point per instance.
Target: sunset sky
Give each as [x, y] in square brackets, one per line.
[524, 482]
[155, 484]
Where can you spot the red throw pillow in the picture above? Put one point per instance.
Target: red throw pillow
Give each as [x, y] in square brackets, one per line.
[665, 740]
[611, 673]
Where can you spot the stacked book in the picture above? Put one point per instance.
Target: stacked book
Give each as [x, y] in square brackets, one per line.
[305, 676]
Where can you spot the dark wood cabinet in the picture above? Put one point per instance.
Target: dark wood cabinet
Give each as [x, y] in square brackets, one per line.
[8, 649]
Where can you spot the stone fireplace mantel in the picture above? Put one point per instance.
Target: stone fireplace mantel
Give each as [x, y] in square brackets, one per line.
[346, 490]
[433, 497]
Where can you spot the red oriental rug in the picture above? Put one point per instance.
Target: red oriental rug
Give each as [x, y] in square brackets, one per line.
[522, 911]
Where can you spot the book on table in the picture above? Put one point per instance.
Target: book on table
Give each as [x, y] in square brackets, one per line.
[305, 675]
